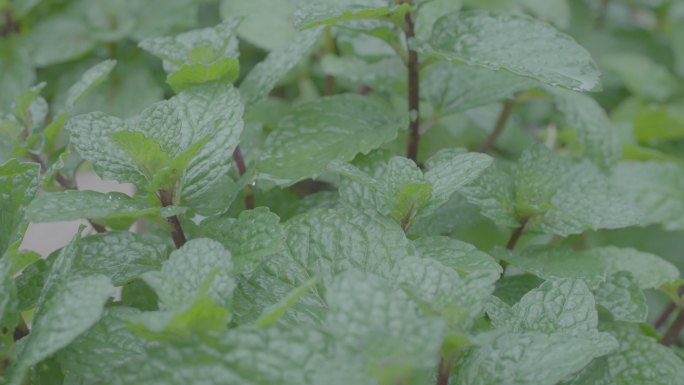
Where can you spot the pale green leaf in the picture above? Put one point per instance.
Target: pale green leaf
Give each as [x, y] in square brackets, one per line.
[642, 75]
[59, 38]
[16, 70]
[598, 136]
[266, 74]
[556, 12]
[88, 81]
[223, 70]
[74, 204]
[368, 316]
[531, 358]
[142, 150]
[252, 236]
[622, 297]
[656, 187]
[516, 43]
[319, 132]
[642, 360]
[460, 256]
[658, 123]
[266, 23]
[272, 314]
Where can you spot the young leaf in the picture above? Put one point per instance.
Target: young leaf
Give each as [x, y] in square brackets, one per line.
[88, 81]
[198, 56]
[250, 237]
[18, 183]
[16, 70]
[319, 132]
[266, 23]
[517, 43]
[74, 204]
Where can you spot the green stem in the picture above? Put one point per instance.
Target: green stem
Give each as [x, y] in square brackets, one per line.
[499, 127]
[166, 199]
[242, 169]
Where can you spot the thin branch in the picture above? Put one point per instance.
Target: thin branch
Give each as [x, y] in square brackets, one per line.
[177, 233]
[667, 311]
[515, 235]
[603, 12]
[413, 92]
[445, 365]
[330, 49]
[500, 125]
[242, 169]
[672, 334]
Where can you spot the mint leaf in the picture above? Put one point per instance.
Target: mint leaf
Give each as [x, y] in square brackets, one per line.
[656, 187]
[460, 256]
[143, 151]
[252, 236]
[199, 262]
[596, 133]
[88, 81]
[73, 307]
[120, 255]
[452, 87]
[331, 128]
[73, 204]
[595, 265]
[642, 76]
[18, 183]
[265, 75]
[369, 317]
[322, 12]
[275, 15]
[516, 43]
[16, 70]
[621, 296]
[198, 56]
[108, 344]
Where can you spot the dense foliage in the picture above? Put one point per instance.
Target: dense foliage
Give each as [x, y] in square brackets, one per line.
[367, 192]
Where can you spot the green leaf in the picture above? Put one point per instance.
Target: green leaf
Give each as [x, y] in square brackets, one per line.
[74, 204]
[642, 360]
[371, 318]
[74, 306]
[315, 13]
[18, 184]
[595, 132]
[556, 12]
[88, 81]
[642, 76]
[656, 123]
[266, 23]
[214, 111]
[319, 132]
[621, 296]
[60, 37]
[252, 236]
[266, 74]
[460, 256]
[531, 358]
[30, 108]
[16, 70]
[596, 373]
[108, 344]
[595, 265]
[272, 314]
[656, 187]
[516, 43]
[143, 151]
[321, 242]
[91, 136]
[450, 170]
[555, 195]
[198, 56]
[120, 255]
[453, 87]
[565, 305]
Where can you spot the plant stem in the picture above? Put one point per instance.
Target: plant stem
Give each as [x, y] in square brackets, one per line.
[177, 233]
[445, 365]
[515, 235]
[413, 92]
[672, 334]
[500, 125]
[10, 25]
[242, 169]
[601, 19]
[330, 49]
[66, 183]
[667, 311]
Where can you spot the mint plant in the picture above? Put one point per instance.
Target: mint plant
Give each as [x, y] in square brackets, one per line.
[372, 192]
